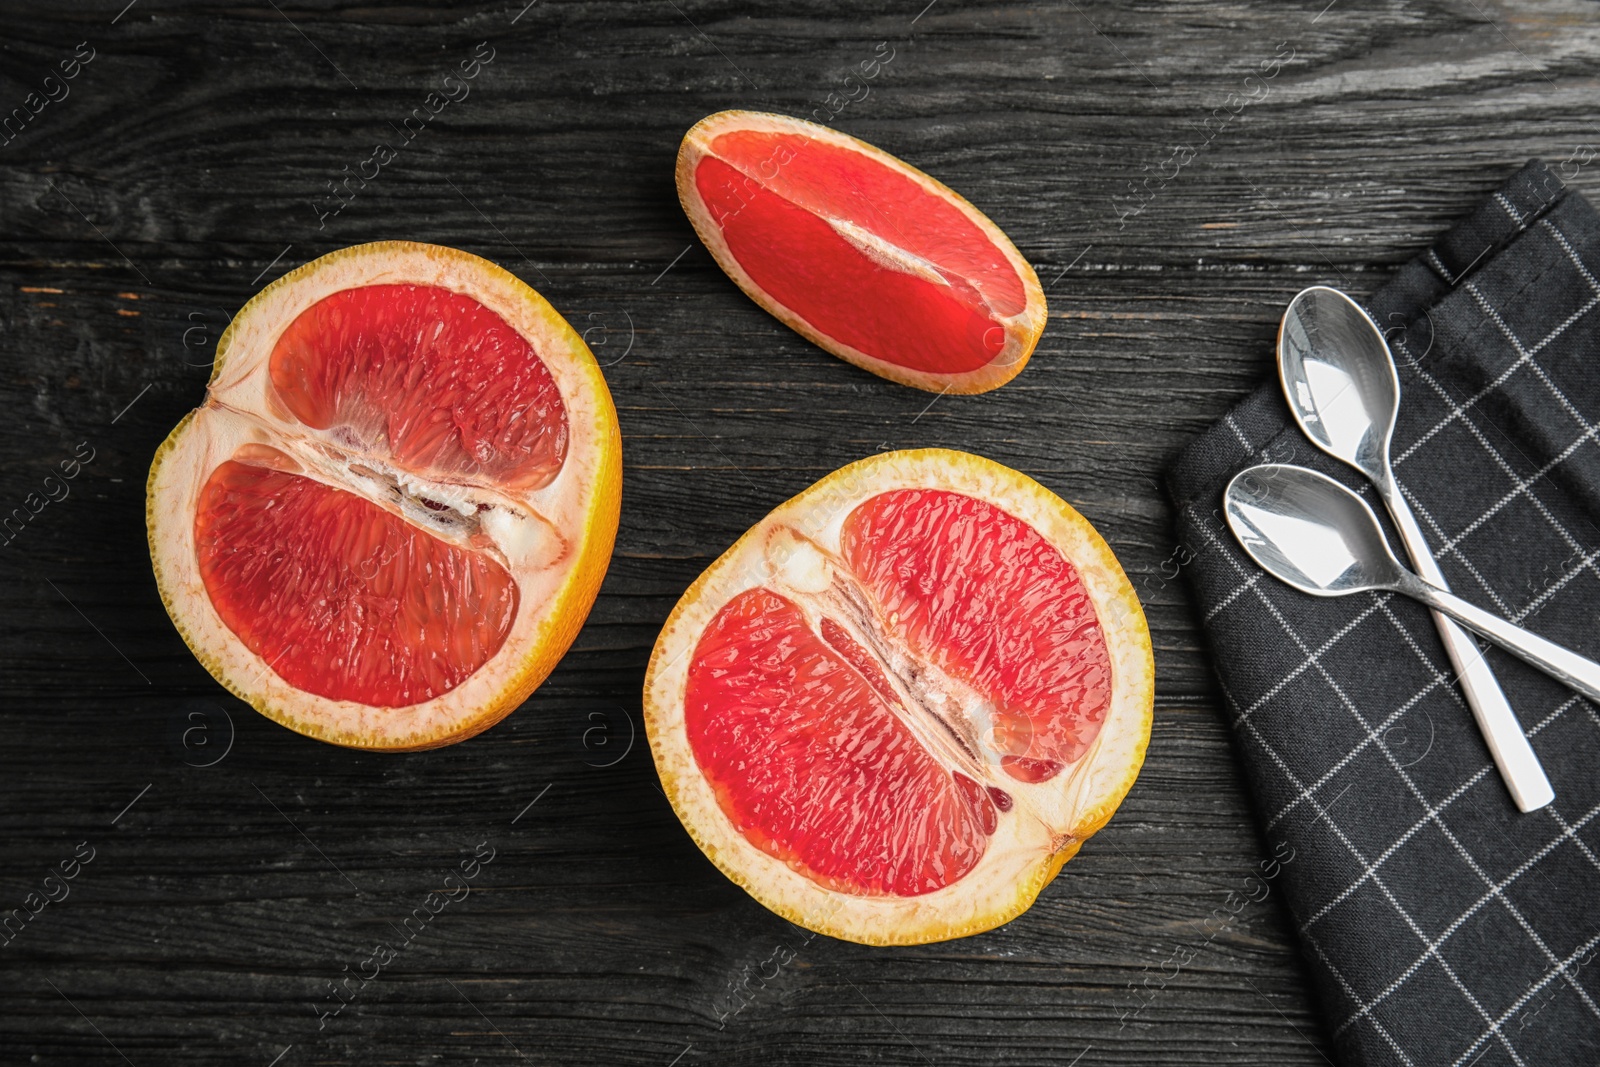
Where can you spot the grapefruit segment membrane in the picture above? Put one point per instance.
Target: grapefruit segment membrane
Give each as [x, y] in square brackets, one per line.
[343, 598]
[862, 254]
[812, 765]
[450, 387]
[390, 516]
[897, 705]
[991, 602]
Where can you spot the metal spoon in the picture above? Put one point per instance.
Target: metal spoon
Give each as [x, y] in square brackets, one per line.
[1339, 378]
[1307, 530]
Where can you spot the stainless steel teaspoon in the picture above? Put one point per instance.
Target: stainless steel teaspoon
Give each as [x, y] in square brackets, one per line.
[1339, 378]
[1307, 530]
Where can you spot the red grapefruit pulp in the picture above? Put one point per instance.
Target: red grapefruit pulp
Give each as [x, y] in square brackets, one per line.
[344, 599]
[388, 519]
[450, 387]
[904, 699]
[862, 254]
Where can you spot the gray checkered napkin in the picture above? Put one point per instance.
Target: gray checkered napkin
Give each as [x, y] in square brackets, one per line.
[1441, 926]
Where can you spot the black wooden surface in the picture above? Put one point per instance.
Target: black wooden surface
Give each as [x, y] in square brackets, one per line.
[185, 168]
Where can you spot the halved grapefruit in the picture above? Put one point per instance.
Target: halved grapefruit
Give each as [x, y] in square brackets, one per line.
[860, 253]
[393, 511]
[900, 702]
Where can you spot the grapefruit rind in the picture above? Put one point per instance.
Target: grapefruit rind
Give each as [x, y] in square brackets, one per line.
[1027, 852]
[1022, 330]
[583, 501]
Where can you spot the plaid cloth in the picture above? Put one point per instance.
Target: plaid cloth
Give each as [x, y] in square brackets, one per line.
[1441, 925]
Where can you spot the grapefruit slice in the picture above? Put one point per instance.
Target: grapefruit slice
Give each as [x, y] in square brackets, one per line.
[865, 256]
[391, 514]
[900, 702]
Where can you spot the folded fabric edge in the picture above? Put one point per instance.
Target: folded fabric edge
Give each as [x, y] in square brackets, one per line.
[1473, 241]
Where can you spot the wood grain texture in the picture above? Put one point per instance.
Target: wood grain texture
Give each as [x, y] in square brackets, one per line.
[183, 170]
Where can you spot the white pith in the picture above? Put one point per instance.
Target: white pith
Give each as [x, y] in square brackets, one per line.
[1022, 329]
[1047, 818]
[522, 530]
[950, 718]
[887, 255]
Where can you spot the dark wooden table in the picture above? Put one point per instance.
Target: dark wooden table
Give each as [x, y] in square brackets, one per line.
[240, 869]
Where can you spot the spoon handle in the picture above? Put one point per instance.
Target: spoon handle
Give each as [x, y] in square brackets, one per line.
[1561, 663]
[1513, 755]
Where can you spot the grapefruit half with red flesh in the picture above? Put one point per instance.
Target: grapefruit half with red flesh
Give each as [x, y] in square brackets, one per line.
[860, 253]
[391, 514]
[897, 705]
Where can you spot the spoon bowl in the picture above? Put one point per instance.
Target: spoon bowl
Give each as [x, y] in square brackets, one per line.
[1339, 379]
[1309, 531]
